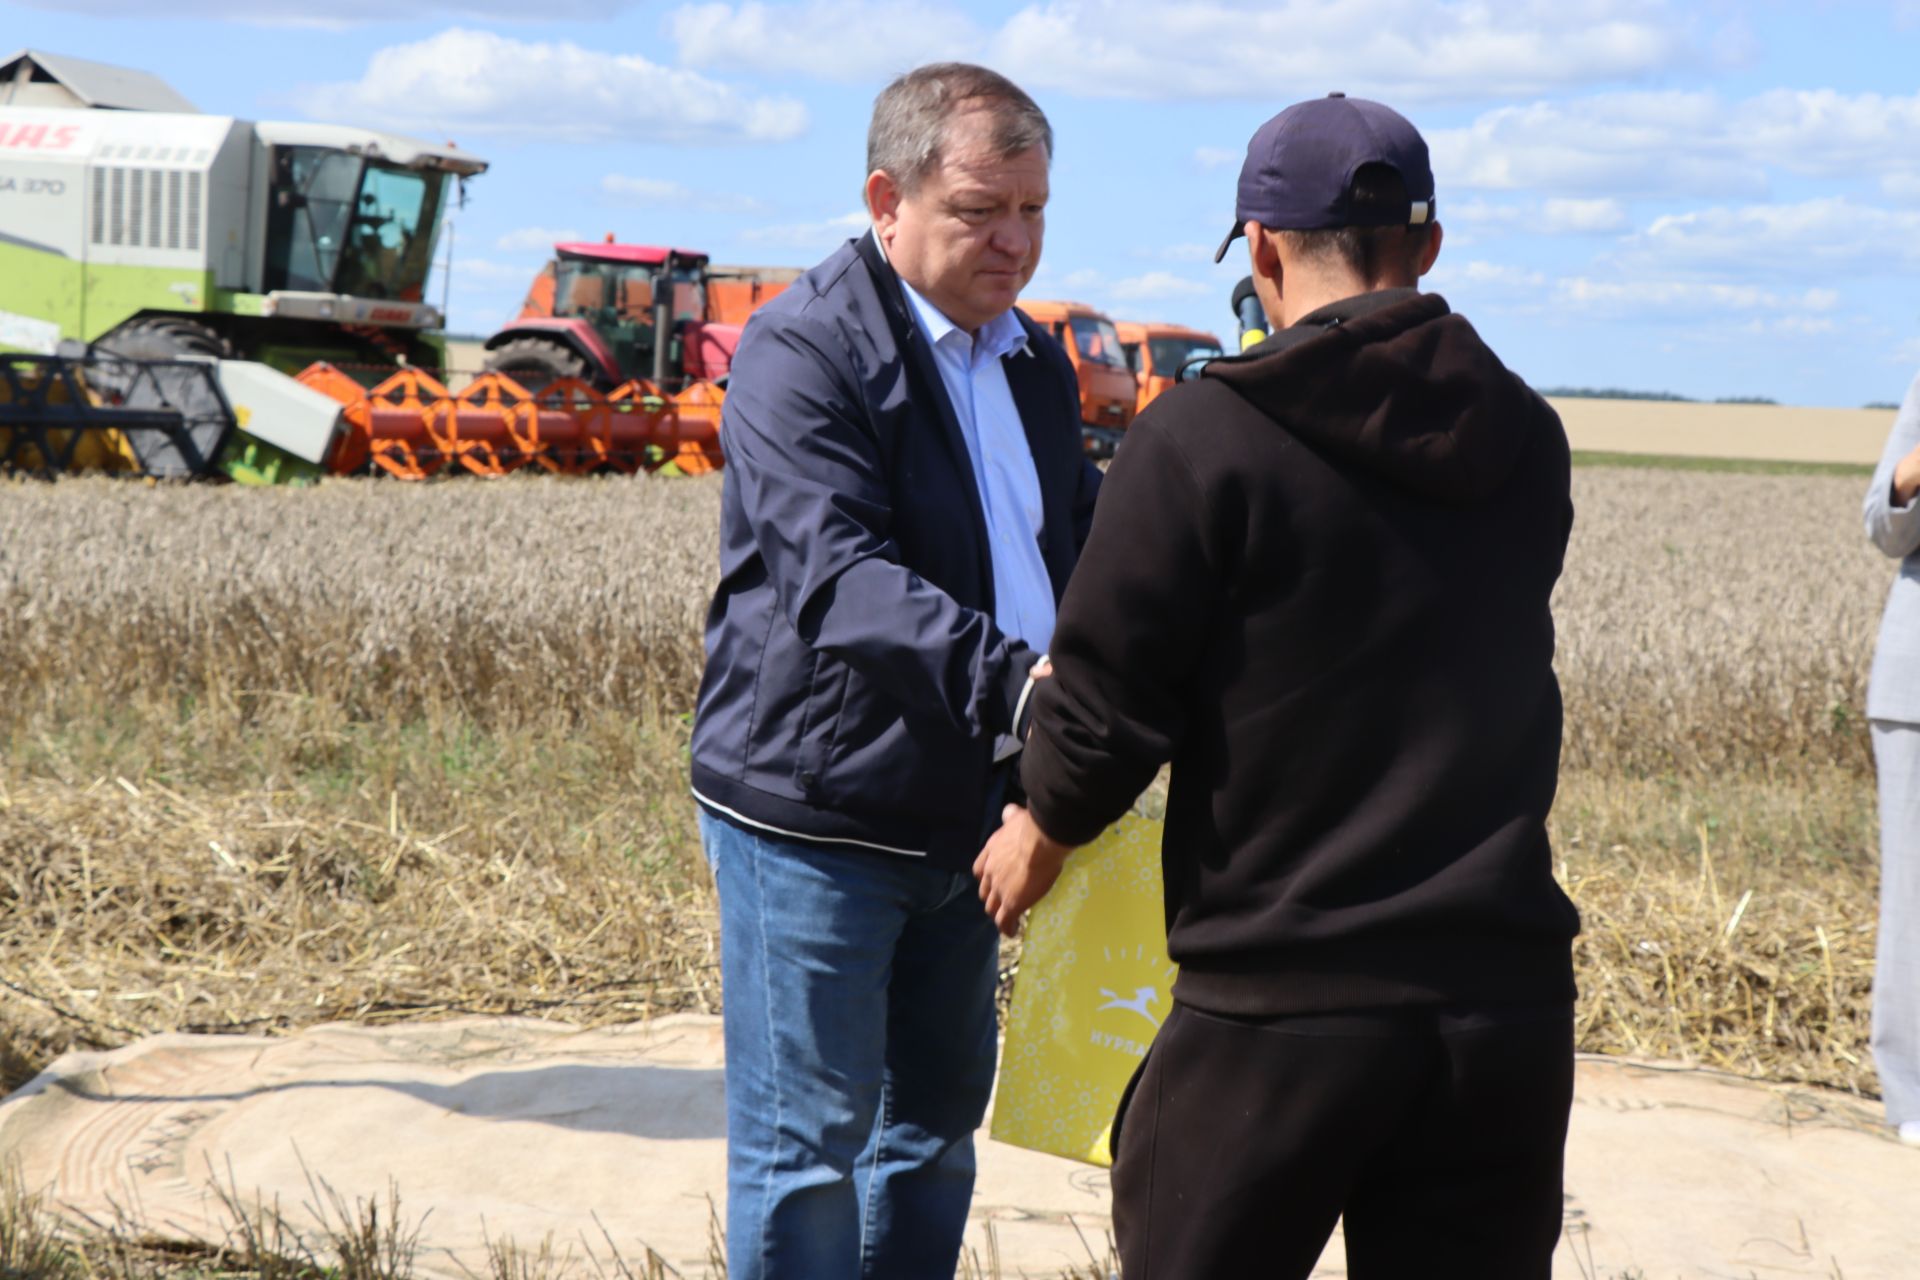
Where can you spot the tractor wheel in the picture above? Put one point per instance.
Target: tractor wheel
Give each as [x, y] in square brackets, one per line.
[164, 338]
[535, 362]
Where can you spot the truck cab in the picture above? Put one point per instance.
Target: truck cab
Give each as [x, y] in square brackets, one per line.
[1108, 393]
[1158, 352]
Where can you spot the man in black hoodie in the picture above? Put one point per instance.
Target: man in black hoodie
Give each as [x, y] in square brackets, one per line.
[1319, 584]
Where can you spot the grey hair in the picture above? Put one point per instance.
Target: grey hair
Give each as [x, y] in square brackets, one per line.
[911, 115]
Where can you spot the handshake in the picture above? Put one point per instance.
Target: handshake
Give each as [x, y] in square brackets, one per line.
[1020, 862]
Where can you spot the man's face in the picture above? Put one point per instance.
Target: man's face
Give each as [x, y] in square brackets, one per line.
[968, 237]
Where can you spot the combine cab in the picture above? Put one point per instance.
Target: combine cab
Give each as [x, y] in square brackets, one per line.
[1157, 353]
[1108, 393]
[164, 234]
[606, 314]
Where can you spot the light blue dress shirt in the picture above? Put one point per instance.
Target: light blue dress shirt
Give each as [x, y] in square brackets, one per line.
[1002, 464]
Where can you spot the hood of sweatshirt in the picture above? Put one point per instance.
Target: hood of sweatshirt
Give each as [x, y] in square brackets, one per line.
[1395, 383]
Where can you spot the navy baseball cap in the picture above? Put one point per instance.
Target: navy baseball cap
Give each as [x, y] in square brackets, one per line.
[1300, 166]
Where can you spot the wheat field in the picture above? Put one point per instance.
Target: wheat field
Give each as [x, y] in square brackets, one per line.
[1706, 621]
[374, 750]
[1732, 431]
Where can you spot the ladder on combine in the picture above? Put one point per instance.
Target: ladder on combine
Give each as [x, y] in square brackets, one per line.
[162, 418]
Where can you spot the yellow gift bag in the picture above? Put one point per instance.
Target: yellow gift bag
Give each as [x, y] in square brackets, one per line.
[1093, 988]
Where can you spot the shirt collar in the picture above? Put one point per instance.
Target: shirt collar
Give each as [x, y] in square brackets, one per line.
[999, 337]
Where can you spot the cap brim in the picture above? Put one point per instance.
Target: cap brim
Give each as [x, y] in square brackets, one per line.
[1239, 229]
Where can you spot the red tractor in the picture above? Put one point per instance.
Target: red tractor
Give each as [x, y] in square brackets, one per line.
[609, 313]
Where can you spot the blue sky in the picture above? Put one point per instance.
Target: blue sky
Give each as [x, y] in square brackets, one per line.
[1714, 199]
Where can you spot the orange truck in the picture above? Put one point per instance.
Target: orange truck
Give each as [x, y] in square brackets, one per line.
[1108, 392]
[1157, 352]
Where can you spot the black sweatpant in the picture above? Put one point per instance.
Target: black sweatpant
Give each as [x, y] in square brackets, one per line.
[1437, 1133]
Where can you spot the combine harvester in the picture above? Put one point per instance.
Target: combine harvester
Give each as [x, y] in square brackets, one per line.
[162, 271]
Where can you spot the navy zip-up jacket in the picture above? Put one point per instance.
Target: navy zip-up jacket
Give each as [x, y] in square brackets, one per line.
[856, 684]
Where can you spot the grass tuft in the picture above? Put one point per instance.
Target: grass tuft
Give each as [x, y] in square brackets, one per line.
[31, 1243]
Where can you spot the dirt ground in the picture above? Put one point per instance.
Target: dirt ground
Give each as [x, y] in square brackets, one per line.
[504, 1129]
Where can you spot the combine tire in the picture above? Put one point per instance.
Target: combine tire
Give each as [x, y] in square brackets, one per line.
[535, 363]
[130, 367]
[164, 338]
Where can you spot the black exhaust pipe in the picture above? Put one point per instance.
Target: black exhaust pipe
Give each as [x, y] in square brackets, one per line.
[663, 325]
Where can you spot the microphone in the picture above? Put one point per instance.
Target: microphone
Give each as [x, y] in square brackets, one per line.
[1248, 311]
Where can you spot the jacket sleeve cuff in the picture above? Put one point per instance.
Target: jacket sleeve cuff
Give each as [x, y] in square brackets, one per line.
[1067, 817]
[1003, 700]
[1895, 530]
[1023, 707]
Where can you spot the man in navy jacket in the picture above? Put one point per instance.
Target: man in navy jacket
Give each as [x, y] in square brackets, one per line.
[905, 498]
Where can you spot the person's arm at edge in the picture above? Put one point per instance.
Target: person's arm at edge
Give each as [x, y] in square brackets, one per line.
[1084, 501]
[1131, 629]
[1893, 524]
[815, 494]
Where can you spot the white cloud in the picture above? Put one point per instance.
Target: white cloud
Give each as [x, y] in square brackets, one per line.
[1155, 286]
[1583, 217]
[1481, 213]
[482, 82]
[1828, 133]
[1616, 144]
[809, 235]
[1823, 238]
[1478, 272]
[1404, 50]
[1670, 298]
[1091, 285]
[336, 14]
[1557, 216]
[830, 39]
[663, 192]
[1901, 186]
[530, 239]
[1216, 157]
[1476, 285]
[1645, 297]
[1672, 142]
[1790, 326]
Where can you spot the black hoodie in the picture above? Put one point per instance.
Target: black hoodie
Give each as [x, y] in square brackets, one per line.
[1318, 582]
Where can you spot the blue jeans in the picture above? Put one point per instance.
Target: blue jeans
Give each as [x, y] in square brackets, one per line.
[860, 1054]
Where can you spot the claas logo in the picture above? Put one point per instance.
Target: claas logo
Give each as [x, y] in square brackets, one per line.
[38, 137]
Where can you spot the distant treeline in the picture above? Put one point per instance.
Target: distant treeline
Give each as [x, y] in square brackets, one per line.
[1621, 393]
